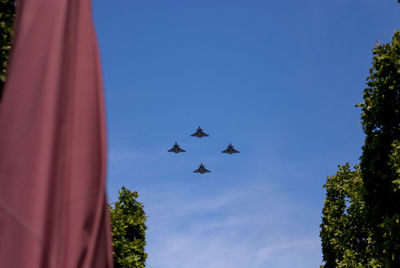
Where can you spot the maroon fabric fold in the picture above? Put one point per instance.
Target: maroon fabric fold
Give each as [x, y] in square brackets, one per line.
[53, 209]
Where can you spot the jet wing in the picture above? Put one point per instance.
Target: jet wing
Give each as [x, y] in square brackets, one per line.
[235, 151]
[181, 150]
[226, 151]
[201, 170]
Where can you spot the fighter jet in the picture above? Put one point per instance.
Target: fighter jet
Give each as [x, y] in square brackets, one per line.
[201, 169]
[176, 149]
[230, 150]
[199, 133]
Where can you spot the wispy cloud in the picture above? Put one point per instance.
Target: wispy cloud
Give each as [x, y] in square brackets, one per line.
[208, 223]
[249, 227]
[288, 253]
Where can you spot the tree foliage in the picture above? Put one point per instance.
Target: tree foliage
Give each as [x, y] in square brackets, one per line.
[380, 158]
[7, 14]
[361, 215]
[344, 238]
[128, 230]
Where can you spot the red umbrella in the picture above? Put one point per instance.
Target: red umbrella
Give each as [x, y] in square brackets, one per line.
[53, 209]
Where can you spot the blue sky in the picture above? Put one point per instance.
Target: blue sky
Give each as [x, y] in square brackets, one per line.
[277, 79]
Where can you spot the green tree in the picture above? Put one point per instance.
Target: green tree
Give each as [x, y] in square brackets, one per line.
[128, 230]
[395, 163]
[380, 159]
[361, 214]
[7, 14]
[343, 233]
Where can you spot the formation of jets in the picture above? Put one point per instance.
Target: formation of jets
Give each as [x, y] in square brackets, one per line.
[200, 134]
